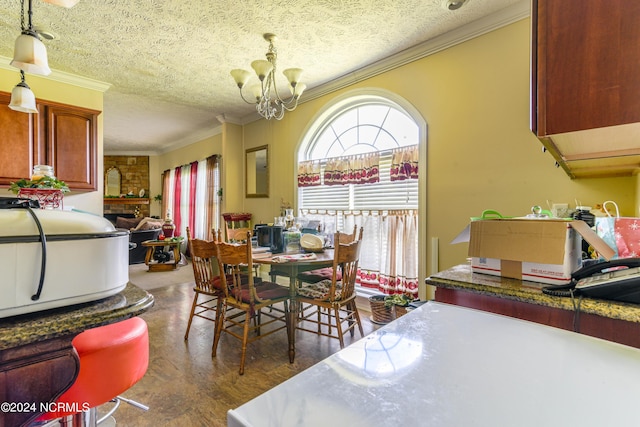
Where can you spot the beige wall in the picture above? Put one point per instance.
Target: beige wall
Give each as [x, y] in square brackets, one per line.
[481, 154]
[52, 90]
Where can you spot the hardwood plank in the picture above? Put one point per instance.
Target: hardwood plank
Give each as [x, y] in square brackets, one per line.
[184, 385]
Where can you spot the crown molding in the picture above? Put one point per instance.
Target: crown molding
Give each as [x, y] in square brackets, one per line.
[188, 140]
[63, 77]
[502, 18]
[191, 139]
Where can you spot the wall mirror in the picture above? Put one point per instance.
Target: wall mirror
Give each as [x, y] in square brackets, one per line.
[257, 172]
[112, 182]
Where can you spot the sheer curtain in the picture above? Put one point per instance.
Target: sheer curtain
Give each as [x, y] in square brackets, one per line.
[189, 197]
[389, 259]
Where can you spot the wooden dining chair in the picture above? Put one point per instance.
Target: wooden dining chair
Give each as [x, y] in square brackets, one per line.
[330, 304]
[207, 281]
[238, 234]
[315, 276]
[243, 317]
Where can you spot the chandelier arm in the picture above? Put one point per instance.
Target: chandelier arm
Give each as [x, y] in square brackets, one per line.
[244, 99]
[291, 107]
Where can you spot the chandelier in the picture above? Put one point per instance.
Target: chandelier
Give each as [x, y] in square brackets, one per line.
[268, 101]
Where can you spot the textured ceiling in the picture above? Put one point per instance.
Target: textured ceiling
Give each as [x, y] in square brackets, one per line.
[168, 61]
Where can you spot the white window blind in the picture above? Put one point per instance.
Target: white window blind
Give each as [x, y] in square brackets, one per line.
[383, 195]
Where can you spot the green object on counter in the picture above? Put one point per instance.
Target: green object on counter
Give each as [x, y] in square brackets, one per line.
[487, 214]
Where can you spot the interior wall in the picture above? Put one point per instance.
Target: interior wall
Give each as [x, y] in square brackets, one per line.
[481, 152]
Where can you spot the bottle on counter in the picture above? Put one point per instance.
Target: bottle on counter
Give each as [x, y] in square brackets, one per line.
[40, 171]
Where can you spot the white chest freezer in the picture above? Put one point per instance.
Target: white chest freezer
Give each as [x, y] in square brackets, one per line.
[85, 259]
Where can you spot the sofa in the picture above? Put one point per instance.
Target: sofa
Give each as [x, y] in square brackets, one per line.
[140, 230]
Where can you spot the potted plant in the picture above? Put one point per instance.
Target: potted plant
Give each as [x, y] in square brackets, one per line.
[43, 183]
[398, 302]
[47, 190]
[385, 308]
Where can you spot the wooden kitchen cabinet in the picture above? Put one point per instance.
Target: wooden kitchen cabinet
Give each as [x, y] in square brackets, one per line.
[62, 136]
[585, 64]
[71, 145]
[20, 143]
[585, 69]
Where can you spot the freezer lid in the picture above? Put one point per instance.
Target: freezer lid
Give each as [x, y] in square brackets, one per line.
[18, 222]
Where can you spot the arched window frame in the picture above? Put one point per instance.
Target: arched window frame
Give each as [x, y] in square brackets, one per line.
[398, 195]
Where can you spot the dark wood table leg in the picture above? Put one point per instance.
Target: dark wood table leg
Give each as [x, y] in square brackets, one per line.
[293, 312]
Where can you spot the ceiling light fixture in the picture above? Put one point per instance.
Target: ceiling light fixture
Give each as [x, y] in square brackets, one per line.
[454, 4]
[268, 102]
[30, 54]
[22, 98]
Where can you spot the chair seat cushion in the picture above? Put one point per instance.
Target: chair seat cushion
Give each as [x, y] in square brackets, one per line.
[314, 276]
[244, 280]
[112, 359]
[320, 290]
[265, 290]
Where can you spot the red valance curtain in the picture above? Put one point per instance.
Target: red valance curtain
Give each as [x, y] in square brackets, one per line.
[309, 173]
[357, 169]
[404, 163]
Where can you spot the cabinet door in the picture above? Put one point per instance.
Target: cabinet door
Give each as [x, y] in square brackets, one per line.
[585, 64]
[20, 144]
[72, 145]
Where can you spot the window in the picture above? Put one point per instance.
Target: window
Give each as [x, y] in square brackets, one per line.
[387, 210]
[190, 197]
[363, 129]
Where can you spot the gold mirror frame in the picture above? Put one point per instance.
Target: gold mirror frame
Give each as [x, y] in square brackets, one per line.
[257, 171]
[112, 182]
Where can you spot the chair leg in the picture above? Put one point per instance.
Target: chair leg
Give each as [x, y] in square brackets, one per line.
[356, 316]
[245, 338]
[338, 325]
[319, 313]
[221, 312]
[193, 310]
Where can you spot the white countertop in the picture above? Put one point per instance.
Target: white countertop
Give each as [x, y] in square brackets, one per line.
[443, 365]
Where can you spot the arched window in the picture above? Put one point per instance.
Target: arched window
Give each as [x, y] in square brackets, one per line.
[360, 128]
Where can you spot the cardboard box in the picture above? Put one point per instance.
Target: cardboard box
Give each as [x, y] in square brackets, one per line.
[539, 250]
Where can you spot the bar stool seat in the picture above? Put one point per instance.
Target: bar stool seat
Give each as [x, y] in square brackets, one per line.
[112, 359]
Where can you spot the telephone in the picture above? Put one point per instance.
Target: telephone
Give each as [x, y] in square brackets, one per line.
[616, 280]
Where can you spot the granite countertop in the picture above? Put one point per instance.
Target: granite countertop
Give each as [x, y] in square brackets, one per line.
[40, 326]
[461, 278]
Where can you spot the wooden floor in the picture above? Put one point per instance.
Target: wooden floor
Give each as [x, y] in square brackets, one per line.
[185, 386]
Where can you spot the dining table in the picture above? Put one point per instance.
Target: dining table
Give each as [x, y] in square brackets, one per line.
[290, 264]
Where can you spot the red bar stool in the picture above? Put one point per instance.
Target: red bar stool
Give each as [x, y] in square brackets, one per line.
[112, 359]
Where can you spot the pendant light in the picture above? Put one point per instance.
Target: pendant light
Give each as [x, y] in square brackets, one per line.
[30, 54]
[22, 98]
